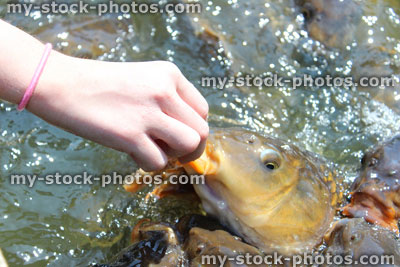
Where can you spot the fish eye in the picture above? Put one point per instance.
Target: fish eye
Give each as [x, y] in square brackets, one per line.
[308, 12]
[363, 160]
[271, 165]
[270, 159]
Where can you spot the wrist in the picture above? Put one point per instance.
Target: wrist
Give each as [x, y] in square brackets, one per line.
[52, 91]
[67, 85]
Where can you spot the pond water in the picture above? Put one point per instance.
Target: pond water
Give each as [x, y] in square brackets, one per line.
[63, 225]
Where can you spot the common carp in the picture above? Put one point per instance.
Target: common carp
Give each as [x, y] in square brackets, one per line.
[270, 193]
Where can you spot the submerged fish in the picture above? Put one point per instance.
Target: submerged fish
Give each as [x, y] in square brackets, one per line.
[357, 238]
[332, 22]
[183, 244]
[155, 245]
[272, 194]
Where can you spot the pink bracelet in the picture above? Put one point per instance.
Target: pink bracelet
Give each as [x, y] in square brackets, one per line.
[35, 80]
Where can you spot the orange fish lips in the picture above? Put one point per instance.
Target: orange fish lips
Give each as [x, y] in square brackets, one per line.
[376, 192]
[374, 206]
[207, 164]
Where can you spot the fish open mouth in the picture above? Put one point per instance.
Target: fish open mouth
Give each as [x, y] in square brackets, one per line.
[207, 164]
[212, 202]
[207, 190]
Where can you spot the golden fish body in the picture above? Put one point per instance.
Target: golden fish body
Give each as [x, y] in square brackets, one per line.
[272, 194]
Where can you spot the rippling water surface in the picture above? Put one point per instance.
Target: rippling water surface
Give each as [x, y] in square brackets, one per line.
[64, 225]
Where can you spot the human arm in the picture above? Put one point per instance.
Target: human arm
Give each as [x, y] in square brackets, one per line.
[146, 109]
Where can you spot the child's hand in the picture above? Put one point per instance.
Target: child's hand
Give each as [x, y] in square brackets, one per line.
[148, 110]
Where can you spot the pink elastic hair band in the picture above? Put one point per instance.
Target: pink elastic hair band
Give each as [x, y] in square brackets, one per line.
[35, 80]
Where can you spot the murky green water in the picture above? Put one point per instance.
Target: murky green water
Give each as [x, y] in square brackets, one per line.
[74, 225]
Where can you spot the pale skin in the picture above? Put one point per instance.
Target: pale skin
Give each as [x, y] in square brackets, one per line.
[146, 109]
